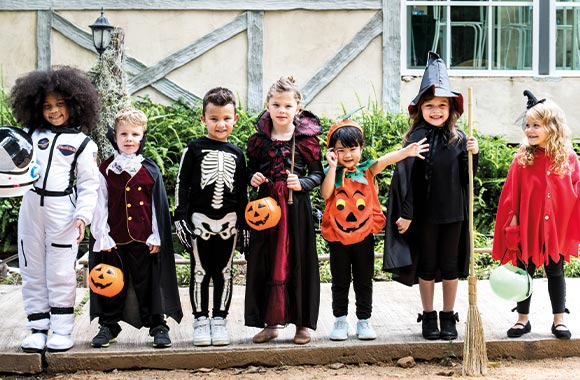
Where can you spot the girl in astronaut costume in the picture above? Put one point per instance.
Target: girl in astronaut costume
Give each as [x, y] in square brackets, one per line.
[54, 106]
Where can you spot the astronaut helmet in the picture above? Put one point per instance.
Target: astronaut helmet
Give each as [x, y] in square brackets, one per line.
[18, 169]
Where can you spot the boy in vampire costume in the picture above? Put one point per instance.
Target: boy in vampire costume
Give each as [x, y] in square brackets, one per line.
[132, 230]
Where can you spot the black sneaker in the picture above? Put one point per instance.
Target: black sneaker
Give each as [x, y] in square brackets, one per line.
[104, 338]
[160, 337]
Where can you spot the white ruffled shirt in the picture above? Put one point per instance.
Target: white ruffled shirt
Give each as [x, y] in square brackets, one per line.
[130, 163]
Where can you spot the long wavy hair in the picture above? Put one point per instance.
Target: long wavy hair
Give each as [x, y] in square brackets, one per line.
[558, 144]
[416, 118]
[81, 97]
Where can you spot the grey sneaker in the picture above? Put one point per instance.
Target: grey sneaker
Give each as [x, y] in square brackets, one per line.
[219, 332]
[201, 332]
[364, 330]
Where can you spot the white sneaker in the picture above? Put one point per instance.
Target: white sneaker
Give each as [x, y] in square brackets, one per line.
[35, 342]
[340, 329]
[59, 343]
[201, 332]
[364, 330]
[219, 332]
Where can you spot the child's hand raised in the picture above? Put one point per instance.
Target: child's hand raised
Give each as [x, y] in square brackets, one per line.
[332, 158]
[258, 179]
[415, 149]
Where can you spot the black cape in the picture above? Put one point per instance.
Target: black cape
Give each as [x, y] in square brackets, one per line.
[401, 252]
[163, 271]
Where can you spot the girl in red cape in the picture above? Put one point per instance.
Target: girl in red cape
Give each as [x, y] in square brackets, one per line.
[537, 220]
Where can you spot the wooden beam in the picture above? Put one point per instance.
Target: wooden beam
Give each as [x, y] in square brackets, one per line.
[189, 53]
[43, 40]
[255, 60]
[225, 5]
[345, 55]
[391, 91]
[133, 66]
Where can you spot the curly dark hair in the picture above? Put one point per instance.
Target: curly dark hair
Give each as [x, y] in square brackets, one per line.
[29, 92]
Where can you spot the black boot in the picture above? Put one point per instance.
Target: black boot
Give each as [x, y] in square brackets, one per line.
[429, 326]
[448, 320]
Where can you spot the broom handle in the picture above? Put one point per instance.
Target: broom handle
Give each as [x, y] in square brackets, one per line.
[290, 192]
[470, 171]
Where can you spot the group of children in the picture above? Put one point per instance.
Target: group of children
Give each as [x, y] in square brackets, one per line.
[124, 201]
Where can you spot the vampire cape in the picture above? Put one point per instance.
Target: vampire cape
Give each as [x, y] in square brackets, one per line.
[163, 272]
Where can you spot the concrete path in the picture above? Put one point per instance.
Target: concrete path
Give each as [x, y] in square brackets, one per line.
[394, 318]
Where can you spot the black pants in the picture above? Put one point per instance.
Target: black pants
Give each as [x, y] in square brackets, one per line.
[136, 262]
[214, 255]
[354, 262]
[439, 250]
[556, 286]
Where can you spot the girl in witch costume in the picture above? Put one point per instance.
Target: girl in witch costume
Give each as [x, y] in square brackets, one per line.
[132, 230]
[351, 217]
[538, 217]
[57, 107]
[427, 231]
[283, 283]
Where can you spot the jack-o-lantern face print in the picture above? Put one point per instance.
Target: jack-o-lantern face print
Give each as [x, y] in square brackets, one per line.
[106, 280]
[262, 213]
[351, 212]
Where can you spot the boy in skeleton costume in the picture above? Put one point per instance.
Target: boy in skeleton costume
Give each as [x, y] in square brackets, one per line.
[210, 198]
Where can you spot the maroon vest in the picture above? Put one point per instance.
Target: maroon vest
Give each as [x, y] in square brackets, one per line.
[129, 205]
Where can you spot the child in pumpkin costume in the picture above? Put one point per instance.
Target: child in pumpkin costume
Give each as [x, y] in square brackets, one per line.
[538, 221]
[352, 216]
[132, 230]
[210, 198]
[283, 282]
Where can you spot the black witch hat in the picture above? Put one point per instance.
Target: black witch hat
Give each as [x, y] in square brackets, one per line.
[436, 80]
[531, 102]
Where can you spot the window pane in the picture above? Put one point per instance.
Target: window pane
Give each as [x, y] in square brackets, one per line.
[567, 46]
[428, 30]
[512, 38]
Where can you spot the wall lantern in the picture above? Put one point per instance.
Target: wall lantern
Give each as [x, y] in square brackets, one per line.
[102, 31]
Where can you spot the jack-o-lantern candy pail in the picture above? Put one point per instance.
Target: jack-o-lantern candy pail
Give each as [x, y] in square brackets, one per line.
[262, 213]
[106, 280]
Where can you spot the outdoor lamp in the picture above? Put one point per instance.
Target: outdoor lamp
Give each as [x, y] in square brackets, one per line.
[101, 33]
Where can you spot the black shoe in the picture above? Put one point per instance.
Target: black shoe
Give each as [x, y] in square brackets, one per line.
[517, 332]
[448, 319]
[429, 327]
[104, 338]
[561, 334]
[160, 337]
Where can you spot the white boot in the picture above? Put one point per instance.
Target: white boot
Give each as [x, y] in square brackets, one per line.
[61, 326]
[36, 341]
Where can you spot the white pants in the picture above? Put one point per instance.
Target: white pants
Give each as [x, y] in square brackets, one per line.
[47, 251]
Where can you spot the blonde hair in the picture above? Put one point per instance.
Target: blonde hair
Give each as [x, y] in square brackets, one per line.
[285, 84]
[132, 116]
[558, 144]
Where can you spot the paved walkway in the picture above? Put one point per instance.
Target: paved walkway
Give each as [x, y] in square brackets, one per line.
[394, 317]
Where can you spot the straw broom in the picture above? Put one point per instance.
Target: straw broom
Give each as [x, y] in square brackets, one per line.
[474, 350]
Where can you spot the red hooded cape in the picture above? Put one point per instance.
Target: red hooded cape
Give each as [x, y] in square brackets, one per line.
[547, 210]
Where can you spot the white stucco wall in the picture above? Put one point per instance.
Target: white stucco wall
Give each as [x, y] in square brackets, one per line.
[297, 43]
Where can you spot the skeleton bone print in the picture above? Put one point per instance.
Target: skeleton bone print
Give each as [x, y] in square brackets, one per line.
[218, 167]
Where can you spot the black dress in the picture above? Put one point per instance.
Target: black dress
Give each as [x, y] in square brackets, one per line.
[283, 282]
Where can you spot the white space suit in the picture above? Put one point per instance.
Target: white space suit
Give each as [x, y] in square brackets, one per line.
[47, 247]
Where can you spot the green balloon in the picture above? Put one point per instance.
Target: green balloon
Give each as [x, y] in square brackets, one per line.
[511, 283]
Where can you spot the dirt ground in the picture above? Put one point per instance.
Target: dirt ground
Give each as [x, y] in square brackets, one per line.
[548, 369]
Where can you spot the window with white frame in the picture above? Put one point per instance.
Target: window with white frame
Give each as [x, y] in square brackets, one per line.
[487, 36]
[567, 51]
